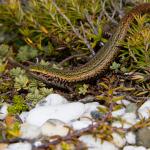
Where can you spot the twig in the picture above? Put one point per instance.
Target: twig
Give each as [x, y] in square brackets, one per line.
[107, 15]
[74, 29]
[91, 23]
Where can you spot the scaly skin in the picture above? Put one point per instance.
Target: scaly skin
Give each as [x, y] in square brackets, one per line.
[99, 62]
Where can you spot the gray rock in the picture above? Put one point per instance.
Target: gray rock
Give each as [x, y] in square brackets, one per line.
[131, 108]
[143, 137]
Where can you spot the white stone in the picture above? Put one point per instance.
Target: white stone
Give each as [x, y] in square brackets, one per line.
[64, 113]
[118, 140]
[117, 124]
[131, 138]
[3, 111]
[80, 124]
[88, 98]
[144, 110]
[29, 131]
[54, 127]
[96, 144]
[119, 112]
[130, 119]
[20, 146]
[23, 116]
[134, 148]
[124, 102]
[91, 106]
[37, 143]
[86, 116]
[52, 99]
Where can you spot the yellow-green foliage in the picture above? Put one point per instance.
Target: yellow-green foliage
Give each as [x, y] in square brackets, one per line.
[42, 26]
[137, 54]
[18, 105]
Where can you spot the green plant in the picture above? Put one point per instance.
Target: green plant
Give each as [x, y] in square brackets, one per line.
[58, 26]
[18, 105]
[15, 72]
[35, 95]
[4, 49]
[26, 53]
[115, 66]
[83, 89]
[137, 53]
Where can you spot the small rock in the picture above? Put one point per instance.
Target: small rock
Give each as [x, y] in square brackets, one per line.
[134, 148]
[80, 124]
[131, 108]
[130, 119]
[124, 102]
[3, 111]
[91, 106]
[3, 146]
[20, 146]
[52, 99]
[96, 114]
[117, 124]
[96, 143]
[54, 127]
[144, 110]
[37, 143]
[64, 113]
[119, 112]
[131, 138]
[23, 116]
[29, 131]
[118, 140]
[143, 137]
[88, 98]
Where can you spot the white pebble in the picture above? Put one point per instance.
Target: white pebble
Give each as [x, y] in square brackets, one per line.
[117, 124]
[29, 131]
[23, 116]
[54, 127]
[131, 138]
[3, 111]
[119, 112]
[124, 102]
[91, 106]
[118, 140]
[130, 119]
[96, 143]
[52, 99]
[144, 110]
[80, 124]
[37, 143]
[134, 148]
[64, 113]
[20, 146]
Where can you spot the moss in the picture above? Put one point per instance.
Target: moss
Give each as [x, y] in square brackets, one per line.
[18, 106]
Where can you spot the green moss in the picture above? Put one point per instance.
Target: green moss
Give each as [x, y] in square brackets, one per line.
[18, 105]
